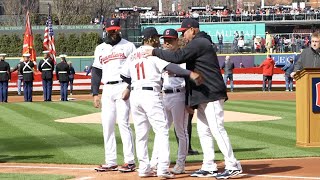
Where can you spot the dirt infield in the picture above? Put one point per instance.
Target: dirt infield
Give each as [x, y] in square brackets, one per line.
[296, 168]
[302, 168]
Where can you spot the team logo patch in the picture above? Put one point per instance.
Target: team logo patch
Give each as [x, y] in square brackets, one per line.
[316, 95]
[112, 22]
[167, 32]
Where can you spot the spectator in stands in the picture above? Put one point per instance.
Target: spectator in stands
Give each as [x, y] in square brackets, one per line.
[242, 35]
[299, 44]
[267, 71]
[86, 69]
[288, 68]
[89, 70]
[220, 42]
[240, 44]
[228, 67]
[269, 44]
[241, 65]
[293, 44]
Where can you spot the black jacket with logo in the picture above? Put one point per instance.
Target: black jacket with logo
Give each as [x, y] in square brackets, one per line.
[62, 72]
[4, 71]
[46, 69]
[199, 56]
[27, 71]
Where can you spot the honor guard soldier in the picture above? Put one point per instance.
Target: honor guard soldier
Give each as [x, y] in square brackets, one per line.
[46, 66]
[4, 78]
[26, 69]
[62, 72]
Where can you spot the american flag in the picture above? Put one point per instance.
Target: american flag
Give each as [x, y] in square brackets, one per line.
[48, 40]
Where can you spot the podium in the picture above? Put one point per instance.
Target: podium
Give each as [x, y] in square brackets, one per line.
[308, 107]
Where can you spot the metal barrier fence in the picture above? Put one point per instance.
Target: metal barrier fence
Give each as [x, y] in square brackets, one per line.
[234, 18]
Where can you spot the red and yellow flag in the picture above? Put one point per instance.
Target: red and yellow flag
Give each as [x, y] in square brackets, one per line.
[28, 46]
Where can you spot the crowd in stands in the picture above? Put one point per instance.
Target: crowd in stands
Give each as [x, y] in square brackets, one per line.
[275, 43]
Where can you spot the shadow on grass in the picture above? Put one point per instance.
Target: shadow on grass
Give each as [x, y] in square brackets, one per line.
[7, 158]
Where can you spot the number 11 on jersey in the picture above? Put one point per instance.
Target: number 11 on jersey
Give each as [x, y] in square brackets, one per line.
[138, 67]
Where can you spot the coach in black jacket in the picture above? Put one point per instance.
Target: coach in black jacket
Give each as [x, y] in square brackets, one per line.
[63, 72]
[46, 66]
[26, 69]
[200, 56]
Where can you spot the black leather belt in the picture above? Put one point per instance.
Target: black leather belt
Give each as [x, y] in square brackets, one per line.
[114, 82]
[143, 88]
[168, 91]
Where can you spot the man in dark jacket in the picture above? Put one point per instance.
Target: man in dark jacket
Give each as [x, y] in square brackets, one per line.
[4, 78]
[228, 67]
[26, 69]
[200, 57]
[288, 68]
[63, 72]
[46, 66]
[310, 56]
[20, 76]
[71, 76]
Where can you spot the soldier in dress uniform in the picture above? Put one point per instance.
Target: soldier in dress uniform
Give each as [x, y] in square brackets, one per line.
[26, 69]
[4, 78]
[46, 66]
[63, 72]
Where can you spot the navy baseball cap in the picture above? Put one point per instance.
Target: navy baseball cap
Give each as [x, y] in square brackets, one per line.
[150, 32]
[170, 33]
[188, 23]
[113, 24]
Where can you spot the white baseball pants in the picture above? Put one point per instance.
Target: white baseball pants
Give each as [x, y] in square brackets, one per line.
[147, 111]
[113, 107]
[211, 124]
[174, 104]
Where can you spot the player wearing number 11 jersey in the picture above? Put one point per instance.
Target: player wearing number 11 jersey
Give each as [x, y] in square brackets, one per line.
[147, 109]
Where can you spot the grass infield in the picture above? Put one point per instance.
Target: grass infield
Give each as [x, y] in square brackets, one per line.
[28, 133]
[33, 176]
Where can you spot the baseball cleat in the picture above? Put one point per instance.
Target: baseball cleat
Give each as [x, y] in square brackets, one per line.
[166, 175]
[228, 173]
[178, 169]
[148, 174]
[127, 168]
[105, 168]
[203, 173]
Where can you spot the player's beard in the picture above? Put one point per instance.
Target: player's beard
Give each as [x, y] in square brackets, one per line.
[113, 40]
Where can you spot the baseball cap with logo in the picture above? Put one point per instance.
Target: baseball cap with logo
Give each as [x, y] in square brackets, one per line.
[170, 33]
[188, 23]
[113, 24]
[150, 32]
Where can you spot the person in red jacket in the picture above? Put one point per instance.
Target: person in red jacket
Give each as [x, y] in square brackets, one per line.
[267, 71]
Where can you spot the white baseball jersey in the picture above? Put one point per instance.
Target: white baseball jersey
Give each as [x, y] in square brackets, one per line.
[172, 82]
[144, 72]
[111, 58]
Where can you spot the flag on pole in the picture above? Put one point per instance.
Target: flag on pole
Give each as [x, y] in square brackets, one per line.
[28, 46]
[48, 40]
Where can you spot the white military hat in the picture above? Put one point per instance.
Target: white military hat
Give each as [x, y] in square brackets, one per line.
[26, 55]
[3, 54]
[45, 52]
[63, 55]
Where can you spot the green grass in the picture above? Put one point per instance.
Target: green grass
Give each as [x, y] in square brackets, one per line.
[28, 133]
[18, 176]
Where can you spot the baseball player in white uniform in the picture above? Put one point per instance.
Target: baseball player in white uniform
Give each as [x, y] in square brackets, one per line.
[144, 75]
[109, 58]
[174, 104]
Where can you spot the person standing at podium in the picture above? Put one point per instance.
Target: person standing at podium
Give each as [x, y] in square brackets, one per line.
[310, 57]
